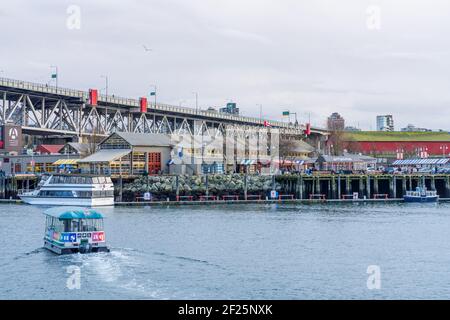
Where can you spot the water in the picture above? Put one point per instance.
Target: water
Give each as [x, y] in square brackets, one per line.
[238, 252]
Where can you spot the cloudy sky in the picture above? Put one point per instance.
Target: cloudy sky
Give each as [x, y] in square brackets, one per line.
[357, 57]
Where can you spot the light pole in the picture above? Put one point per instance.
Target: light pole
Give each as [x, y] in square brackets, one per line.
[196, 101]
[260, 111]
[55, 75]
[106, 86]
[153, 93]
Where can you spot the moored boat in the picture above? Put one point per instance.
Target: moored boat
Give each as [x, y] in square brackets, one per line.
[421, 194]
[70, 190]
[74, 229]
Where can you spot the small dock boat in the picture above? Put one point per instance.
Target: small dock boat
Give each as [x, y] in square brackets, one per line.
[74, 229]
[421, 194]
[71, 190]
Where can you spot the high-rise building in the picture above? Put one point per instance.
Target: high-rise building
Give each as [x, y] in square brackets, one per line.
[385, 123]
[335, 122]
[230, 108]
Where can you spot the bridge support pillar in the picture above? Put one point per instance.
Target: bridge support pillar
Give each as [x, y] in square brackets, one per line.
[318, 188]
[300, 187]
[404, 185]
[339, 187]
[333, 187]
[361, 187]
[447, 187]
[375, 185]
[347, 185]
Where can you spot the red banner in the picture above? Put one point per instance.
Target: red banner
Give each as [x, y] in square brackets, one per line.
[144, 104]
[308, 129]
[93, 97]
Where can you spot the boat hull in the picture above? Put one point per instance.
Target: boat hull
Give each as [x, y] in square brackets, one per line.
[63, 250]
[420, 199]
[88, 202]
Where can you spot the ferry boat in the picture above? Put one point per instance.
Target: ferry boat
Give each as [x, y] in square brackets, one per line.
[71, 189]
[421, 194]
[74, 229]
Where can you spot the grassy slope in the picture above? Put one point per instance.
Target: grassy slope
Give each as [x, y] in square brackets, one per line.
[396, 136]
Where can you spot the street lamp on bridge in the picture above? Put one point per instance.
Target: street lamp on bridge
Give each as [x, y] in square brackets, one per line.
[106, 86]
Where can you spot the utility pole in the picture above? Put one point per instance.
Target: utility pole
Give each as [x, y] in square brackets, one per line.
[260, 111]
[153, 93]
[106, 86]
[55, 75]
[196, 101]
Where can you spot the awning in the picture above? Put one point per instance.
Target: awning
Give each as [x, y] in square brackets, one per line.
[427, 161]
[247, 162]
[105, 155]
[66, 162]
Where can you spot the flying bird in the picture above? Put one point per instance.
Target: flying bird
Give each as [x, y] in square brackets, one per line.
[146, 48]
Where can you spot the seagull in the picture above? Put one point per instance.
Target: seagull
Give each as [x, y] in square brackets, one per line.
[146, 48]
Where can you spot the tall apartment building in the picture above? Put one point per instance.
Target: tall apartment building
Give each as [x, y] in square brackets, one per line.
[335, 122]
[385, 123]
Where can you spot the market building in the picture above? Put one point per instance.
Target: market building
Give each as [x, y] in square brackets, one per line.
[398, 145]
[127, 154]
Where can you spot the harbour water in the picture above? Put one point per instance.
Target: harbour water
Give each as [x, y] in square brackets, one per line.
[257, 251]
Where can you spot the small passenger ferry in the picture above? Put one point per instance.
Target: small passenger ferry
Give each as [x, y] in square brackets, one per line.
[71, 189]
[421, 194]
[74, 229]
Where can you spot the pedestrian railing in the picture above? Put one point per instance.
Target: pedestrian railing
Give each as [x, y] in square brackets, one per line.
[184, 198]
[317, 196]
[253, 197]
[286, 196]
[230, 197]
[207, 198]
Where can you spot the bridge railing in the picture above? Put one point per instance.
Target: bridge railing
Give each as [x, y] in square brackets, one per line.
[45, 88]
[25, 85]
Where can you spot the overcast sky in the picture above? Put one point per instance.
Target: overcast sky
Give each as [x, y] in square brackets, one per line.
[312, 57]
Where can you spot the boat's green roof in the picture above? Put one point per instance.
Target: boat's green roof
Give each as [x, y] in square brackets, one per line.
[67, 213]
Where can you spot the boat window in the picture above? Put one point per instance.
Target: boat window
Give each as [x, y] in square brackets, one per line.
[56, 193]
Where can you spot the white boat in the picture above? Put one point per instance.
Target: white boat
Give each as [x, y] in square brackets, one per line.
[70, 190]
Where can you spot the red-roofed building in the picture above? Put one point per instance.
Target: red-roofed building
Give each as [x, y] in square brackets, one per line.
[49, 148]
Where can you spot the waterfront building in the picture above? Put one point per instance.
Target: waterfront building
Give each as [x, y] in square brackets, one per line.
[391, 145]
[49, 149]
[81, 149]
[348, 161]
[127, 154]
[36, 163]
[385, 123]
[335, 122]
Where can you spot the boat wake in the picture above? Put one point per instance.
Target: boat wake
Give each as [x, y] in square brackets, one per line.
[120, 269]
[188, 259]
